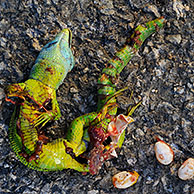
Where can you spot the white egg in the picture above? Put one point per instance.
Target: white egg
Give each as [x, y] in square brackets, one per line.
[164, 152]
[125, 179]
[186, 171]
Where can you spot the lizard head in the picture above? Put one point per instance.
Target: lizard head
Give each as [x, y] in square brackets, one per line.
[54, 61]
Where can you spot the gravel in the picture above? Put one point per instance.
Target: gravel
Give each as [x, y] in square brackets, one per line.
[161, 74]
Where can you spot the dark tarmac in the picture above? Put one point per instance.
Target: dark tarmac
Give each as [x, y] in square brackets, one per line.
[161, 75]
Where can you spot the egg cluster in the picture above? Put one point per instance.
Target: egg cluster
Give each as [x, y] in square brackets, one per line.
[164, 155]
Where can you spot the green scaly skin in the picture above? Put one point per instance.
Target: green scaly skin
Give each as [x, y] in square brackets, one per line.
[40, 105]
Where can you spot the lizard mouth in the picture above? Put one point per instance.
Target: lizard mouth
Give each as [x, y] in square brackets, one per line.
[70, 38]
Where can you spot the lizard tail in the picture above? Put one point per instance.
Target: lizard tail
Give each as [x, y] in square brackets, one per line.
[108, 78]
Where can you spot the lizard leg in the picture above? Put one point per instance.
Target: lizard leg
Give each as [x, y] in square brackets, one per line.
[76, 131]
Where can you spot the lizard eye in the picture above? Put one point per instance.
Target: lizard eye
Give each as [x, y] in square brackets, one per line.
[51, 44]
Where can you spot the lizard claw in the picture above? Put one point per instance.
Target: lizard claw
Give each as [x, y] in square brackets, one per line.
[43, 119]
